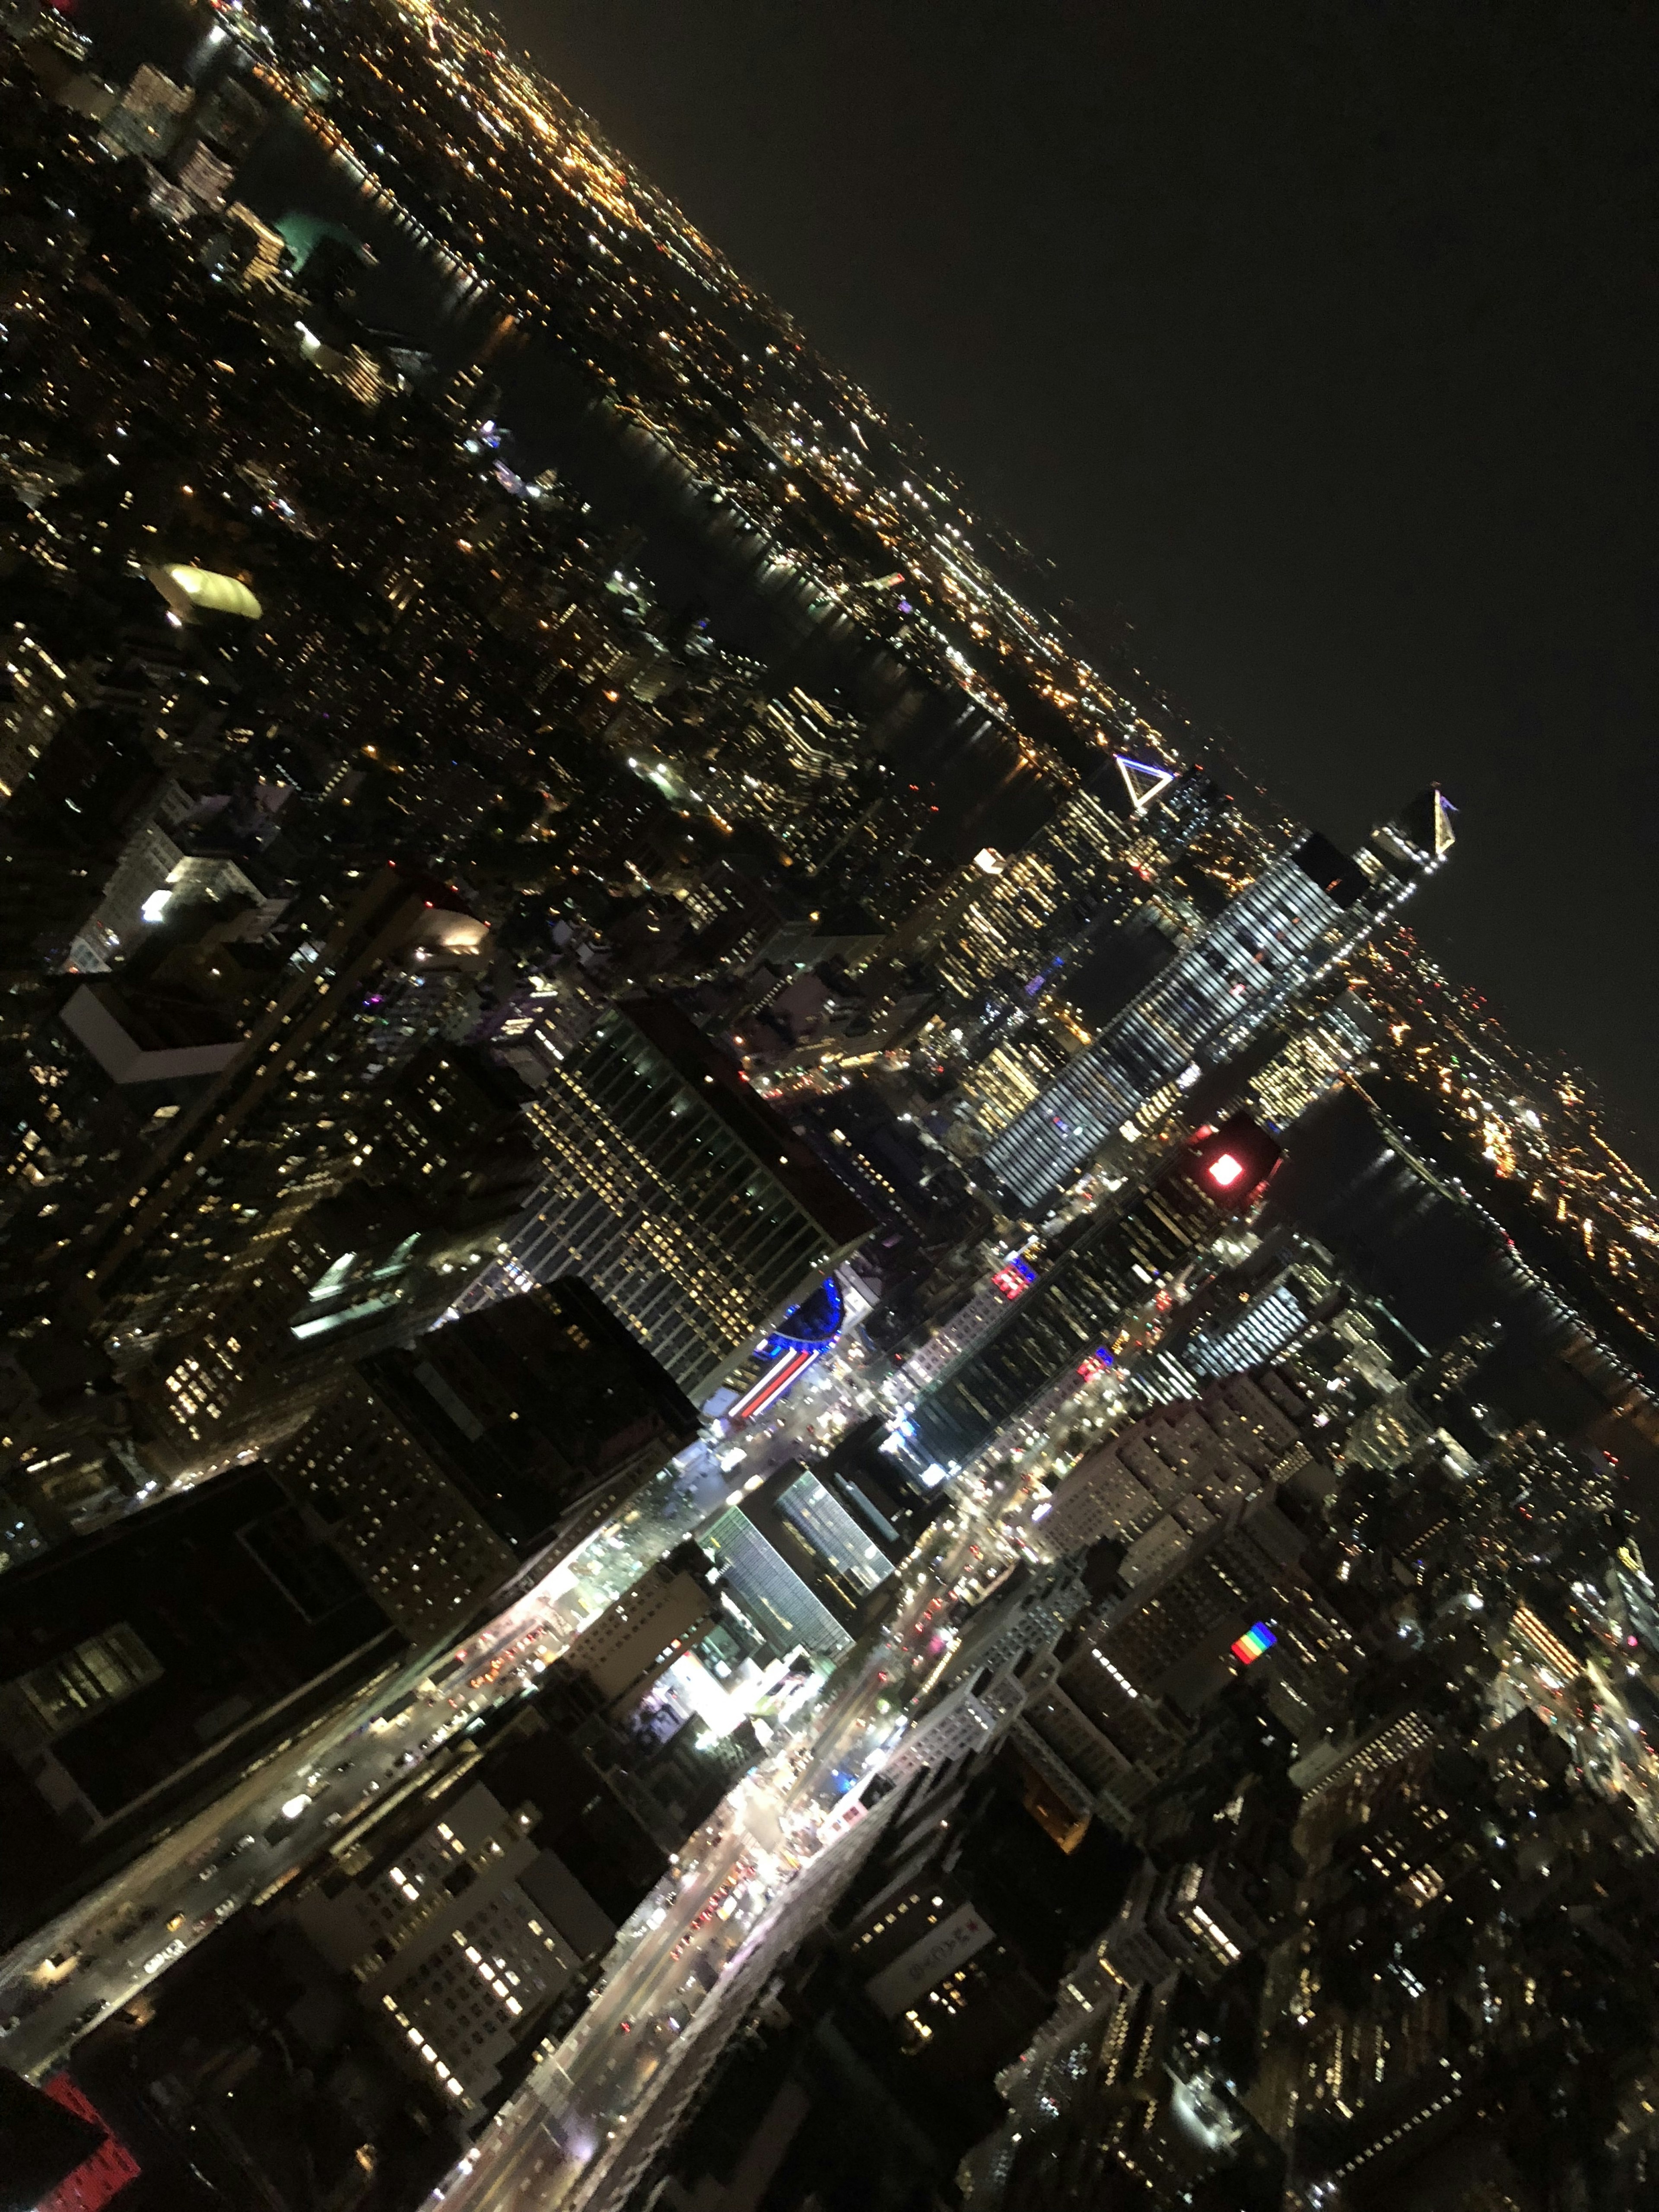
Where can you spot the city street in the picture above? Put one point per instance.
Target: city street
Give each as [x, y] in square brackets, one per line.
[688, 1964]
[306, 1794]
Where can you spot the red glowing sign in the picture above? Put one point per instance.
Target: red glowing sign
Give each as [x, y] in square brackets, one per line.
[1224, 1170]
[98, 2178]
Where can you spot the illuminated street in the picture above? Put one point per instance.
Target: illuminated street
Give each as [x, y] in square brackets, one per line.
[355, 1763]
[688, 1962]
[696, 1954]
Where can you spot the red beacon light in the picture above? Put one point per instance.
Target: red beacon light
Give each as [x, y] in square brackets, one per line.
[1234, 1162]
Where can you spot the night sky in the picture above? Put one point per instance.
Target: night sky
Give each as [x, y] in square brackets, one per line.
[1317, 342]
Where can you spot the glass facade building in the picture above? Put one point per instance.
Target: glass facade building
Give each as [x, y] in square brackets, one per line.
[1080, 1304]
[1310, 908]
[775, 1598]
[695, 1212]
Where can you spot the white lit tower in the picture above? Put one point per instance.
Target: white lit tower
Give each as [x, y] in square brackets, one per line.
[1310, 908]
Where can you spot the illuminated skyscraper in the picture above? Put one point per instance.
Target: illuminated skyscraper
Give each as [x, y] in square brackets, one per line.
[285, 1116]
[451, 1473]
[1091, 867]
[1121, 1713]
[1310, 908]
[1074, 1313]
[1312, 1057]
[693, 1209]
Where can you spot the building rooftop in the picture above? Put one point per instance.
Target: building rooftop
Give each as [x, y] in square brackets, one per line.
[725, 1090]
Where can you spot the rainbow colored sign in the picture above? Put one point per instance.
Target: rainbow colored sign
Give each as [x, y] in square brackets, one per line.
[1253, 1643]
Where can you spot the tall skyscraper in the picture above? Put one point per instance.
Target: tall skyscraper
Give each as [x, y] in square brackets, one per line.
[359, 1274]
[1171, 1476]
[451, 1473]
[1075, 1313]
[145, 1667]
[346, 2044]
[1087, 869]
[275, 1126]
[693, 1209]
[1121, 1710]
[459, 1931]
[1308, 909]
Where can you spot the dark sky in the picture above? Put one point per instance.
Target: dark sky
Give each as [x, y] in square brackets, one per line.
[1320, 340]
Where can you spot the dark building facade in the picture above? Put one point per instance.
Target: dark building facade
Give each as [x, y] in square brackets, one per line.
[448, 1474]
[142, 1668]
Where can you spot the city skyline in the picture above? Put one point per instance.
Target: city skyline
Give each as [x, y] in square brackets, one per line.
[1293, 369]
[787, 1427]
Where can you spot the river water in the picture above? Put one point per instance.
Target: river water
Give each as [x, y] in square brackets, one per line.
[697, 557]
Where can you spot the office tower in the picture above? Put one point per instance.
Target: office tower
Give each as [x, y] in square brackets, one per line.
[60, 1405]
[1071, 928]
[961, 1999]
[865, 2078]
[693, 1209]
[1281, 1075]
[673, 1692]
[453, 1473]
[1120, 1712]
[144, 1667]
[50, 684]
[1033, 915]
[669, 1609]
[370, 976]
[346, 2044]
[94, 692]
[223, 126]
[1078, 1309]
[462, 1927]
[158, 866]
[1003, 1647]
[1201, 1915]
[241, 245]
[1307, 910]
[1255, 1316]
[358, 1273]
[313, 1288]
[149, 116]
[1312, 1055]
[809, 1554]
[1130, 2090]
